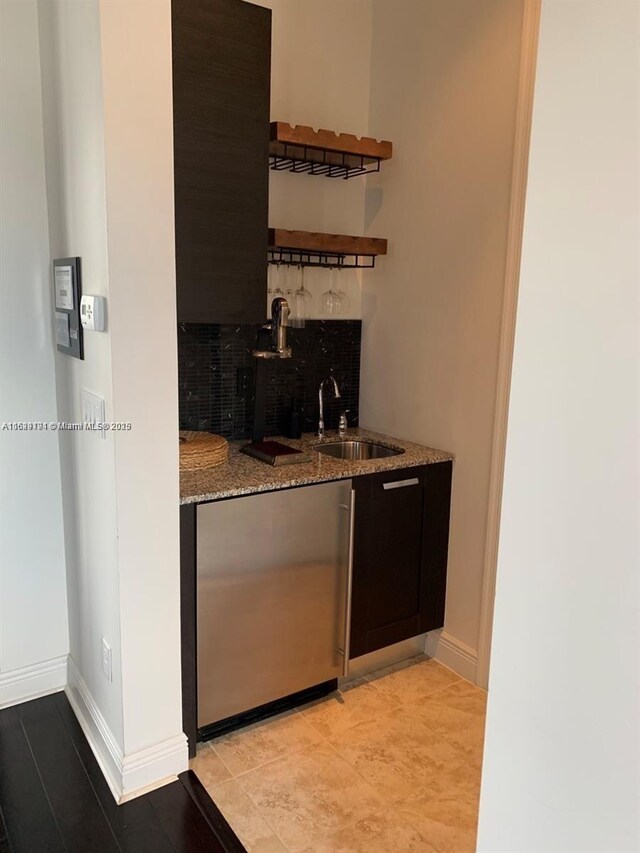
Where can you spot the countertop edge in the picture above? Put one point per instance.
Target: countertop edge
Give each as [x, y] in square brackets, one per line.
[239, 476]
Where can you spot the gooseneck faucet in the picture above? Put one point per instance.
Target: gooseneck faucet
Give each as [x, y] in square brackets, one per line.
[336, 394]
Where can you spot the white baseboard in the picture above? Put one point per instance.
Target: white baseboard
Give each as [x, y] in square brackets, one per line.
[31, 682]
[101, 740]
[453, 653]
[130, 775]
[156, 765]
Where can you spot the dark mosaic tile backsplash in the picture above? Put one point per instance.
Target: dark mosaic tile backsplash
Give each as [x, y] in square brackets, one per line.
[211, 397]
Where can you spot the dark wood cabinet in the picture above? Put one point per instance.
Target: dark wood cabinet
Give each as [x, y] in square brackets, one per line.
[400, 555]
[221, 85]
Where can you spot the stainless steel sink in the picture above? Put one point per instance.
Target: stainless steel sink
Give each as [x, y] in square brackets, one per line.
[356, 451]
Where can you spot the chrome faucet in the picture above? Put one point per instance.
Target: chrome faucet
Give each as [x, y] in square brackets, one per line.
[278, 328]
[336, 394]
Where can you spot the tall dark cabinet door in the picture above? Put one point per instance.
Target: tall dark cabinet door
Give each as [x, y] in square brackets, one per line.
[400, 555]
[387, 559]
[435, 544]
[221, 86]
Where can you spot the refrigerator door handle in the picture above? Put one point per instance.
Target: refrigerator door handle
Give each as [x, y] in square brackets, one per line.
[344, 651]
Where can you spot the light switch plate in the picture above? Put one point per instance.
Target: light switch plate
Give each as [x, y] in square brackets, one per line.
[93, 410]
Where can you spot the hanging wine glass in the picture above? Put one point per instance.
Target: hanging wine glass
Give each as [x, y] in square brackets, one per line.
[289, 282]
[330, 301]
[345, 302]
[271, 274]
[278, 275]
[302, 300]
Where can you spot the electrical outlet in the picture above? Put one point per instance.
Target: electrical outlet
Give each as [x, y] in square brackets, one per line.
[107, 666]
[93, 410]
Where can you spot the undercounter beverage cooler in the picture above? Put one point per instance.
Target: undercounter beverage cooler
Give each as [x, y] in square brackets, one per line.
[273, 597]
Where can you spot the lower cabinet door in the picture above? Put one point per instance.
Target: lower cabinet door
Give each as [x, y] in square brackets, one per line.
[400, 555]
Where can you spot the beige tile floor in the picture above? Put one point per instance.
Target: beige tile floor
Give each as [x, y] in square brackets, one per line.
[389, 763]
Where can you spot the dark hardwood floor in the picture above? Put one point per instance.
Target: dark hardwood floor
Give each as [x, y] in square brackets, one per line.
[54, 798]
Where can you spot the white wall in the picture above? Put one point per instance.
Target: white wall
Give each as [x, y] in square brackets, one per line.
[108, 130]
[138, 113]
[444, 83]
[320, 76]
[74, 139]
[33, 610]
[562, 756]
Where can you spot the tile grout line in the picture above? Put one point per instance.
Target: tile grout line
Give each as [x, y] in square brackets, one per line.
[271, 760]
[349, 728]
[459, 749]
[233, 778]
[398, 804]
[457, 680]
[338, 829]
[463, 754]
[260, 812]
[410, 817]
[220, 758]
[361, 775]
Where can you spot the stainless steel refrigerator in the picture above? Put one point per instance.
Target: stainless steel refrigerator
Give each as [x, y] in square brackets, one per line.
[273, 590]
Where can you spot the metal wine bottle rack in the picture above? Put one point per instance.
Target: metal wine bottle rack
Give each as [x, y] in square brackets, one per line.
[299, 258]
[314, 249]
[332, 164]
[298, 148]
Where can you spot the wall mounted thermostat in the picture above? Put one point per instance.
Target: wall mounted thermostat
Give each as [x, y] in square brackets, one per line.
[92, 311]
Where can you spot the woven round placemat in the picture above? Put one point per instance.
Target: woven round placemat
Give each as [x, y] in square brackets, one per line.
[201, 450]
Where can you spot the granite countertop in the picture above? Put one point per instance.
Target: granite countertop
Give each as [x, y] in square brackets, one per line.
[243, 475]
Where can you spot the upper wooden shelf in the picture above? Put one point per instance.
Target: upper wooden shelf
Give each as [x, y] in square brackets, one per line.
[327, 140]
[313, 248]
[298, 148]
